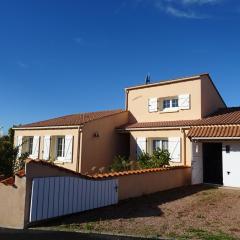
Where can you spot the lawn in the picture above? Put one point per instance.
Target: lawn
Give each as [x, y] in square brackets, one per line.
[194, 212]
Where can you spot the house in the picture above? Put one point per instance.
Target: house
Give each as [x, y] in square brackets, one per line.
[187, 116]
[80, 142]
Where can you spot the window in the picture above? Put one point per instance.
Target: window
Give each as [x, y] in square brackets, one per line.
[30, 146]
[164, 144]
[166, 103]
[159, 144]
[170, 103]
[60, 147]
[156, 144]
[175, 102]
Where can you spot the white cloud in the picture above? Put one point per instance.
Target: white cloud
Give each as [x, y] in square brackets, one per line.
[181, 13]
[181, 8]
[201, 2]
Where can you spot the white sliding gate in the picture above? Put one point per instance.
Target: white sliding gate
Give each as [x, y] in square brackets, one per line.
[58, 196]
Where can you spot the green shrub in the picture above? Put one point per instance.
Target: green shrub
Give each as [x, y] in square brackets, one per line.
[120, 163]
[9, 164]
[159, 158]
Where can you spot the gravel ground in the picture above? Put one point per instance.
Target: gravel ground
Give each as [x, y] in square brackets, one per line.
[194, 212]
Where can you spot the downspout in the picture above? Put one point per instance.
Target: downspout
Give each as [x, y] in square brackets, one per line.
[184, 146]
[79, 147]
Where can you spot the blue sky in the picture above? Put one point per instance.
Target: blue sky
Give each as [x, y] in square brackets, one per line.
[60, 57]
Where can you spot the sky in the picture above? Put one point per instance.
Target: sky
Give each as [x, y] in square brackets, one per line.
[59, 57]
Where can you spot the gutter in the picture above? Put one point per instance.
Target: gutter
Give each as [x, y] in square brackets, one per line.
[78, 148]
[50, 127]
[153, 128]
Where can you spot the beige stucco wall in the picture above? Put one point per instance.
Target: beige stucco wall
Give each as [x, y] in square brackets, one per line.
[12, 204]
[137, 101]
[99, 151]
[210, 101]
[131, 186]
[53, 132]
[186, 152]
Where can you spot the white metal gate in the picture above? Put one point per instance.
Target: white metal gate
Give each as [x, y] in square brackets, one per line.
[58, 196]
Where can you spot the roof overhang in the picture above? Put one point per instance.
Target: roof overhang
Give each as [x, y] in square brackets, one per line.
[152, 128]
[48, 127]
[214, 132]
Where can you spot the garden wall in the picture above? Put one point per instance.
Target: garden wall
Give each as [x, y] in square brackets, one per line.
[135, 185]
[12, 202]
[16, 195]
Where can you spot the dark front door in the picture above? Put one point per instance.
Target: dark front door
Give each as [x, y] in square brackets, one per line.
[212, 163]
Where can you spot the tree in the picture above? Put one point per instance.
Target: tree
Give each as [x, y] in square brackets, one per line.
[9, 161]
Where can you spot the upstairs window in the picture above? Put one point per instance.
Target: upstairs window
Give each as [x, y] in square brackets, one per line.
[175, 102]
[170, 103]
[166, 103]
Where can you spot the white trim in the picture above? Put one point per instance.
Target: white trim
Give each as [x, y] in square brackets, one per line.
[214, 138]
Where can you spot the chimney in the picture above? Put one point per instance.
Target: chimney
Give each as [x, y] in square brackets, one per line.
[147, 79]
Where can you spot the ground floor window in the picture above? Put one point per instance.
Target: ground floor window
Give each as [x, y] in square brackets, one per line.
[158, 143]
[30, 145]
[60, 147]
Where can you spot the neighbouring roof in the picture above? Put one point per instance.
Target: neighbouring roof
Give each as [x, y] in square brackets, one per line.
[225, 116]
[72, 120]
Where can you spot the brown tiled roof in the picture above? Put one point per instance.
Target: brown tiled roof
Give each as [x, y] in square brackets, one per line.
[221, 131]
[72, 120]
[225, 116]
[180, 123]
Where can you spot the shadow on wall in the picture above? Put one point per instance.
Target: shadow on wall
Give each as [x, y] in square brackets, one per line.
[145, 206]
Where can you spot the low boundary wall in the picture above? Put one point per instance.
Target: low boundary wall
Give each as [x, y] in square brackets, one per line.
[47, 191]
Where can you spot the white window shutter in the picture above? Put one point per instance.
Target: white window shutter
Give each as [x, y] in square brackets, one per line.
[141, 145]
[152, 104]
[35, 147]
[19, 145]
[184, 101]
[174, 148]
[46, 147]
[68, 148]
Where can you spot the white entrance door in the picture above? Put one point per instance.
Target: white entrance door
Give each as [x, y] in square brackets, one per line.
[231, 164]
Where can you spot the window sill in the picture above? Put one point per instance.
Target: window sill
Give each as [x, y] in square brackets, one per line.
[58, 162]
[170, 110]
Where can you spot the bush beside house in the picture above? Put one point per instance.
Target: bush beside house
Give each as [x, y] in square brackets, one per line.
[159, 158]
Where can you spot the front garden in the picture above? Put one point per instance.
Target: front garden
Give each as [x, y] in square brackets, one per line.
[193, 212]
